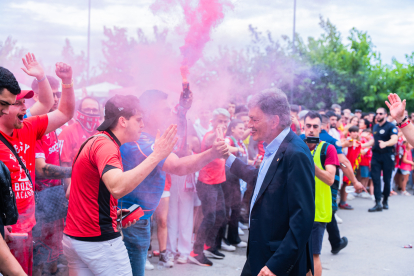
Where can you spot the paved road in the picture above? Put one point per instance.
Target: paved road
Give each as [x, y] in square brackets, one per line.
[375, 245]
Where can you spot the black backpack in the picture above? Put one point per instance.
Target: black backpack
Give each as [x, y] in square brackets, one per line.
[8, 207]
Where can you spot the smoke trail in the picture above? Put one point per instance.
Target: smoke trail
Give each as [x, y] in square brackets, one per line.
[200, 19]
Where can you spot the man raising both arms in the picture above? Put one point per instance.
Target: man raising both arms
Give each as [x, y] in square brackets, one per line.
[22, 135]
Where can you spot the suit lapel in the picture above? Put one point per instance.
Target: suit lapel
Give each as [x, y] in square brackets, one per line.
[274, 165]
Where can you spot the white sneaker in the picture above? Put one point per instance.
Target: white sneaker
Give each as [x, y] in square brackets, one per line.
[241, 244]
[373, 197]
[365, 195]
[350, 197]
[338, 219]
[242, 226]
[149, 266]
[226, 247]
[241, 232]
[182, 259]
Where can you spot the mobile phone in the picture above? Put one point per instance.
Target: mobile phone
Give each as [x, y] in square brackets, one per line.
[135, 212]
[186, 90]
[312, 140]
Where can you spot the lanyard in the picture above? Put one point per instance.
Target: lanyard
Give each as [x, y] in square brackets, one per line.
[314, 150]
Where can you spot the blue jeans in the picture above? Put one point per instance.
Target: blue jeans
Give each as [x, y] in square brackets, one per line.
[137, 242]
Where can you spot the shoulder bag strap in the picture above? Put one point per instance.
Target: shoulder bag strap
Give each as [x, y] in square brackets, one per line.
[11, 148]
[87, 140]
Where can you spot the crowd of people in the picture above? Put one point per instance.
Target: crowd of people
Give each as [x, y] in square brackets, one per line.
[75, 169]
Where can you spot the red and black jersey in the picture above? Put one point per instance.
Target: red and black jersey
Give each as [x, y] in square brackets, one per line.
[92, 209]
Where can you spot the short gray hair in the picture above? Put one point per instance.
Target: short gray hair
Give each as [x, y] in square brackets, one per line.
[273, 102]
[220, 111]
[334, 106]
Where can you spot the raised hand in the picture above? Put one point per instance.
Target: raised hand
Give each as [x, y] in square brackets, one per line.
[396, 106]
[64, 72]
[165, 144]
[186, 102]
[220, 149]
[32, 67]
[220, 133]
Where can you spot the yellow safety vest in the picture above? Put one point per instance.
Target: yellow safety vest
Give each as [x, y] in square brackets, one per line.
[323, 196]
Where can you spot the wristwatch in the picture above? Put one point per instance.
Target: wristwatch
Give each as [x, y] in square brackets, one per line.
[403, 121]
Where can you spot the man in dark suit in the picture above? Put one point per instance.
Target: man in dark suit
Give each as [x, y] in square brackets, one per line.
[282, 208]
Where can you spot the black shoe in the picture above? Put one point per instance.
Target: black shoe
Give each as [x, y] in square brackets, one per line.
[376, 208]
[385, 204]
[342, 245]
[213, 253]
[199, 259]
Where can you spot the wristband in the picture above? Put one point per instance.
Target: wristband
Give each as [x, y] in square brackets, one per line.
[42, 79]
[404, 124]
[403, 120]
[67, 85]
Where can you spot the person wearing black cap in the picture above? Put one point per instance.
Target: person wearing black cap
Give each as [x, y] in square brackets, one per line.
[98, 181]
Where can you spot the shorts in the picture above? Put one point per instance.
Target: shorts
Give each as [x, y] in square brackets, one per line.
[318, 230]
[165, 194]
[403, 172]
[365, 173]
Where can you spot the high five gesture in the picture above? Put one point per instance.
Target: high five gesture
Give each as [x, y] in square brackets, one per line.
[397, 108]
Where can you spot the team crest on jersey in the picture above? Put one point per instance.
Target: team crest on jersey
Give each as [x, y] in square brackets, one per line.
[394, 130]
[382, 131]
[152, 147]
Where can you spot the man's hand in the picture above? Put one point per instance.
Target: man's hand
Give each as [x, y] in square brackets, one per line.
[396, 106]
[64, 72]
[119, 215]
[186, 102]
[294, 120]
[359, 187]
[164, 145]
[266, 272]
[32, 67]
[382, 144]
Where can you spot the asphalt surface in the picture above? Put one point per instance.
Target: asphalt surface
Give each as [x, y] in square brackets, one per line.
[375, 245]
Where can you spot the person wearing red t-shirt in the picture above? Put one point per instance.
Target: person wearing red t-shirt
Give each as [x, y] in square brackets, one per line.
[92, 243]
[354, 151]
[405, 169]
[366, 155]
[22, 135]
[87, 120]
[47, 236]
[210, 192]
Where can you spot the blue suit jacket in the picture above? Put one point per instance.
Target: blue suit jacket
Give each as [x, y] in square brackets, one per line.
[282, 217]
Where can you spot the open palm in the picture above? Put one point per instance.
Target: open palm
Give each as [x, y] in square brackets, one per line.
[396, 106]
[32, 67]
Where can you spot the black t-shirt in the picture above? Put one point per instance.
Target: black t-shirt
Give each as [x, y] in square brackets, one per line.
[383, 133]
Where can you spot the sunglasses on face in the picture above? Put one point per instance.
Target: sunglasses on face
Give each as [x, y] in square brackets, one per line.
[57, 94]
[379, 113]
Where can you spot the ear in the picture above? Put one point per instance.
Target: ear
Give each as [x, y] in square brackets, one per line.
[122, 121]
[275, 121]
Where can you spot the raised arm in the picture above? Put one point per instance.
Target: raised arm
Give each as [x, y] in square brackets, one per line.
[397, 108]
[121, 183]
[34, 69]
[66, 108]
[194, 163]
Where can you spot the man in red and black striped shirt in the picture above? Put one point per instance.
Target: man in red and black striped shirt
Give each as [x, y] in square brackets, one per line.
[92, 243]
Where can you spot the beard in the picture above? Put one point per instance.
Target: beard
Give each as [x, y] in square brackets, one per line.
[380, 120]
[333, 126]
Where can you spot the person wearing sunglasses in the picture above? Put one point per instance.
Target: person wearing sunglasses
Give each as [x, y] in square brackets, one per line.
[383, 159]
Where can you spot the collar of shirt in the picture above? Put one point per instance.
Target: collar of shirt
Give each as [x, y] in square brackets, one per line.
[275, 144]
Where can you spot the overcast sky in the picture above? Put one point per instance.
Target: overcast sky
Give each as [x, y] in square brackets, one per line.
[42, 25]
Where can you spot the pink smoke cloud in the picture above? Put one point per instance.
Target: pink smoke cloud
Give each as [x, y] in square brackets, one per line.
[200, 19]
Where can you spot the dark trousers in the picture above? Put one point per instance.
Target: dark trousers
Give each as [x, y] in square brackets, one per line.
[232, 199]
[385, 163]
[214, 211]
[333, 232]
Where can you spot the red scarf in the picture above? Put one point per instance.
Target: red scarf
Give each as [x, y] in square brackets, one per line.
[87, 121]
